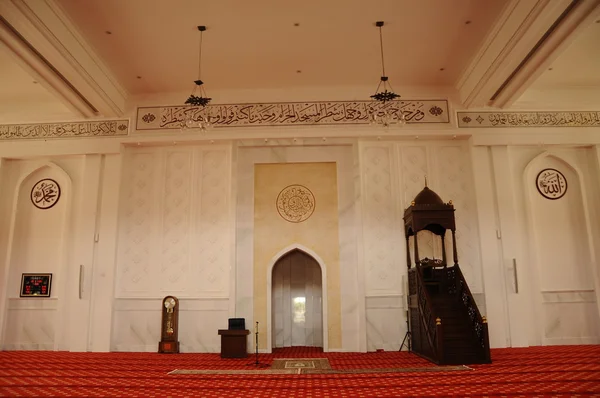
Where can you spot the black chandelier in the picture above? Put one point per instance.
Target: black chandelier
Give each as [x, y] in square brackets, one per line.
[197, 114]
[381, 113]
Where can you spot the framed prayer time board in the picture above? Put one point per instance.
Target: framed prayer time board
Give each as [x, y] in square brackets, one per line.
[36, 285]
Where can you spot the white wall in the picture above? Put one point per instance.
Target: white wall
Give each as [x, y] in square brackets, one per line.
[174, 239]
[541, 274]
[37, 245]
[120, 305]
[392, 174]
[57, 240]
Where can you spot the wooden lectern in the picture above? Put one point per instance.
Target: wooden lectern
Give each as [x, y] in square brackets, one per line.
[234, 343]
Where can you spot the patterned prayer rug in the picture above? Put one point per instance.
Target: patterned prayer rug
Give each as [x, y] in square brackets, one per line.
[301, 363]
[313, 366]
[556, 371]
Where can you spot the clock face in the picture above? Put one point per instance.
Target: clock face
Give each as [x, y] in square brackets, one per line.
[169, 303]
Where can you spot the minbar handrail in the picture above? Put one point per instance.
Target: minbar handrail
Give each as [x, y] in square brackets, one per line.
[460, 288]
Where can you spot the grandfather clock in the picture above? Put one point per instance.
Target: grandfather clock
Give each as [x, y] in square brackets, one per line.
[169, 326]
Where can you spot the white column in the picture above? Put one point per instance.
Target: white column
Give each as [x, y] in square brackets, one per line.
[491, 246]
[595, 214]
[5, 203]
[523, 319]
[103, 277]
[80, 268]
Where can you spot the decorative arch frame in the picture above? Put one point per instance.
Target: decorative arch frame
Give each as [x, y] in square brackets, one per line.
[65, 195]
[530, 191]
[321, 263]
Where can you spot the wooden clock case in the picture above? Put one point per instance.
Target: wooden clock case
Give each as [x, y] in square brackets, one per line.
[169, 326]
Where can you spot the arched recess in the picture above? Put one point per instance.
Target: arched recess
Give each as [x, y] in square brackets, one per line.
[564, 282]
[272, 263]
[296, 301]
[37, 243]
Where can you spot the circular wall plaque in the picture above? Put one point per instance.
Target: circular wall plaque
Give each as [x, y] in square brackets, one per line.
[551, 184]
[45, 193]
[295, 203]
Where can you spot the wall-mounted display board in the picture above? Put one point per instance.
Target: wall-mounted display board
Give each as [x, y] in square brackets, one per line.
[36, 285]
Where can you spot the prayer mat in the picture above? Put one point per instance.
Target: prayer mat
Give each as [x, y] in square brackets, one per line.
[301, 364]
[314, 366]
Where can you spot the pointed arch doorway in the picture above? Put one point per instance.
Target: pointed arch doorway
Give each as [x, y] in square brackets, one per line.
[296, 301]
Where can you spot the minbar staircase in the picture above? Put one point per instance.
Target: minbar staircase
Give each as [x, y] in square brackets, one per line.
[446, 325]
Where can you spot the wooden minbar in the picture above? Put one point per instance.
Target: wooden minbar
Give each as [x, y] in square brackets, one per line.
[234, 343]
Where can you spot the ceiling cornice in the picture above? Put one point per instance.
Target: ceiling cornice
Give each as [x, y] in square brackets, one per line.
[579, 17]
[40, 33]
[517, 32]
[31, 62]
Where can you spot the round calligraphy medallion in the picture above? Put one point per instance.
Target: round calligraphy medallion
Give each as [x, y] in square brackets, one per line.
[551, 184]
[295, 203]
[45, 193]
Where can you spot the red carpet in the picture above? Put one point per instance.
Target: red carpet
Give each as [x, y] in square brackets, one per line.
[567, 371]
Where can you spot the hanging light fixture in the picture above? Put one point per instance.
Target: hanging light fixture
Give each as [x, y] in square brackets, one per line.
[381, 113]
[197, 114]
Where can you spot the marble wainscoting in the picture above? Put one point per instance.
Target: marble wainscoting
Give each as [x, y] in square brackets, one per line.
[570, 317]
[136, 325]
[30, 324]
[386, 322]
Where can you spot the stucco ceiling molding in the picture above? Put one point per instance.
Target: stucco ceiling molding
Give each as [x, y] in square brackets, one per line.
[39, 71]
[579, 18]
[51, 45]
[519, 29]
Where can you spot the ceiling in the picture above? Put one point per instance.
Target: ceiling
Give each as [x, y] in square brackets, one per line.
[24, 99]
[149, 49]
[152, 46]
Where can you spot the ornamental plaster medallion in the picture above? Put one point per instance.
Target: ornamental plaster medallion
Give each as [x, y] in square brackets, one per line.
[295, 203]
[45, 193]
[551, 184]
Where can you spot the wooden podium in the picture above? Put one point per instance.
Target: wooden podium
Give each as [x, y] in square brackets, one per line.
[234, 343]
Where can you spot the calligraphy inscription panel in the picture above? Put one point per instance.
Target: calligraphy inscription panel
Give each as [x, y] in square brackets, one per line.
[551, 184]
[291, 113]
[104, 128]
[295, 203]
[45, 193]
[528, 119]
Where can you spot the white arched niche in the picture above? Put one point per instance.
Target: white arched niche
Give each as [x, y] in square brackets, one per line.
[563, 277]
[37, 243]
[272, 263]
